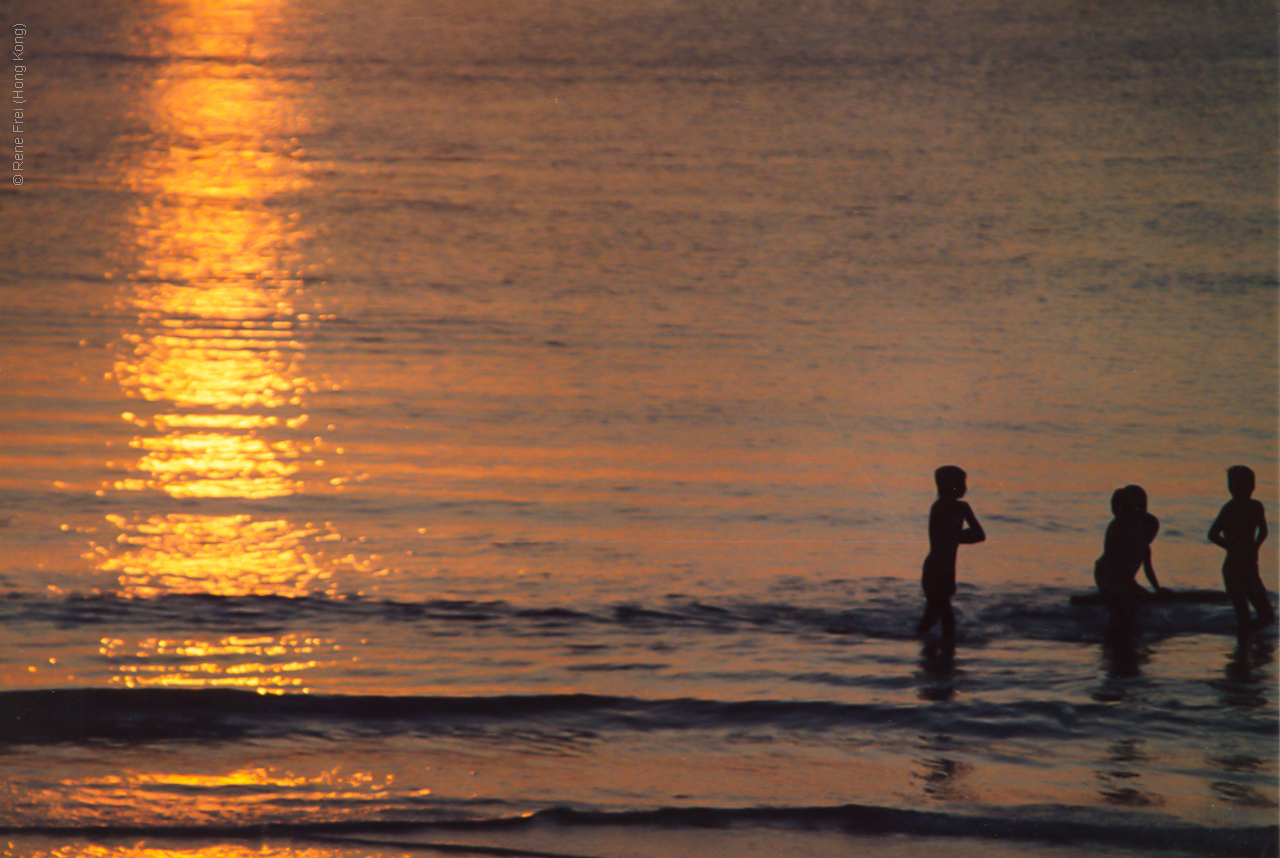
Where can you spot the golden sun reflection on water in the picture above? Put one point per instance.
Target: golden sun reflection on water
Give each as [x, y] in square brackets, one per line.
[332, 784]
[266, 663]
[211, 465]
[220, 850]
[233, 795]
[225, 555]
[215, 347]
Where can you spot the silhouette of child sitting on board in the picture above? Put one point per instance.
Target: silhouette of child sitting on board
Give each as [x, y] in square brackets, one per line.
[1148, 524]
[1125, 548]
[951, 524]
[1240, 528]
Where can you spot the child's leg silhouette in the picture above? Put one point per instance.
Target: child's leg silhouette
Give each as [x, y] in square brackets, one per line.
[1261, 603]
[938, 608]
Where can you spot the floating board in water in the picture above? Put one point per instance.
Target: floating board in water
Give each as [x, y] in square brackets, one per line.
[1160, 598]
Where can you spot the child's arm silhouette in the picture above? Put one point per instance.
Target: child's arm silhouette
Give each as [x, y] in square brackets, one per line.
[1150, 570]
[1247, 523]
[1217, 530]
[971, 533]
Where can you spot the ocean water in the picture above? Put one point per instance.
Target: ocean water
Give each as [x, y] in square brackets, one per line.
[508, 428]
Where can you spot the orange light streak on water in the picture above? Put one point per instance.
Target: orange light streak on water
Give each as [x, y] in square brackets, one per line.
[215, 351]
[220, 850]
[231, 555]
[267, 664]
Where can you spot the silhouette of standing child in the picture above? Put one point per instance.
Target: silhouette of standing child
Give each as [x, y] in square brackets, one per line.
[1125, 548]
[1241, 528]
[951, 524]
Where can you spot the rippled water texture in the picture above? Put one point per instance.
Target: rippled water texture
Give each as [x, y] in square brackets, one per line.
[466, 412]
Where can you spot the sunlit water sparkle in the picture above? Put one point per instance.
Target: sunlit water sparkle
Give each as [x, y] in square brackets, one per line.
[461, 415]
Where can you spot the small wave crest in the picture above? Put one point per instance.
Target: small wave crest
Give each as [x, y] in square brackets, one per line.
[1056, 825]
[1045, 613]
[146, 715]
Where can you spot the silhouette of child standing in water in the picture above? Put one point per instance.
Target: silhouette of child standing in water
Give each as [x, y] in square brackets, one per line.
[951, 524]
[1241, 528]
[1125, 548]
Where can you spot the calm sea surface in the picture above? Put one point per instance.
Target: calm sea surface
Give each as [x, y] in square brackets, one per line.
[521, 416]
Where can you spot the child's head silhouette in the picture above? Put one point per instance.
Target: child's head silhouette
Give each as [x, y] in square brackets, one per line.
[1137, 498]
[1128, 501]
[1136, 502]
[1240, 481]
[951, 482]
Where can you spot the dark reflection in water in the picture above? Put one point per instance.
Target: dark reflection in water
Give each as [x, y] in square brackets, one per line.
[1123, 657]
[1241, 795]
[1246, 682]
[941, 775]
[1121, 784]
[942, 778]
[1236, 763]
[938, 675]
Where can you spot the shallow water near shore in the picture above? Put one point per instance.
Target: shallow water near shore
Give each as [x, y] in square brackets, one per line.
[513, 425]
[552, 842]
